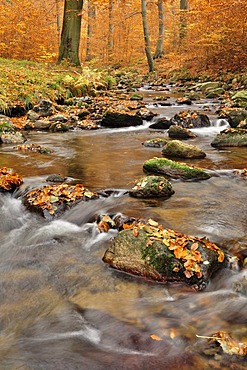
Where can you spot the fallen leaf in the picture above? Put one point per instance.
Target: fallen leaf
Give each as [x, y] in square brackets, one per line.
[155, 337]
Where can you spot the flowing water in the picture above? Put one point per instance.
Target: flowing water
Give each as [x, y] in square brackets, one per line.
[61, 307]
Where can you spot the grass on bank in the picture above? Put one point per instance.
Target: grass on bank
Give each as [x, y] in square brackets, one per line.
[24, 82]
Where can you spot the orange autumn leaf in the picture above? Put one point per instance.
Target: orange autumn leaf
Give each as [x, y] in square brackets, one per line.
[155, 337]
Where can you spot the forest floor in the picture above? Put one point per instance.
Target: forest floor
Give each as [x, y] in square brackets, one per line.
[24, 83]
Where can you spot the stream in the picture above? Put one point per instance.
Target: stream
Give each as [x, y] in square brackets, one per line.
[62, 308]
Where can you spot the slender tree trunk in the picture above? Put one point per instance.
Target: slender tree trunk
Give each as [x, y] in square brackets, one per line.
[146, 36]
[58, 21]
[159, 52]
[71, 32]
[182, 25]
[111, 27]
[91, 20]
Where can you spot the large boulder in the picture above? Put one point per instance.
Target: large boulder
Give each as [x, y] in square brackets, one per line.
[190, 119]
[152, 187]
[231, 137]
[167, 167]
[178, 132]
[9, 180]
[149, 250]
[51, 201]
[179, 149]
[117, 119]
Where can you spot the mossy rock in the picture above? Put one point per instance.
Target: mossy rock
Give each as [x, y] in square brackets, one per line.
[209, 85]
[152, 187]
[240, 98]
[179, 149]
[164, 255]
[167, 167]
[214, 92]
[156, 142]
[233, 137]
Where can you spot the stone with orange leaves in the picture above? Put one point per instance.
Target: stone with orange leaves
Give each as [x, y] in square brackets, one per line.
[147, 249]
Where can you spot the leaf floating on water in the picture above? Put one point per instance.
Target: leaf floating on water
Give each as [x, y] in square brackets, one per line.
[155, 337]
[228, 344]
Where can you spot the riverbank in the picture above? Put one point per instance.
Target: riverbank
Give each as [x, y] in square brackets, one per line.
[24, 83]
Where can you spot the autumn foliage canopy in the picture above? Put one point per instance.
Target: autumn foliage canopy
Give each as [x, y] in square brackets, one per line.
[213, 32]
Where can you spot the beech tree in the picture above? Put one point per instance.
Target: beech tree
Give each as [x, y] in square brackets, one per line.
[90, 23]
[159, 52]
[71, 32]
[147, 36]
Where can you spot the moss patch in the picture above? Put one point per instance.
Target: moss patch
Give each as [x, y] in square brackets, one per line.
[174, 169]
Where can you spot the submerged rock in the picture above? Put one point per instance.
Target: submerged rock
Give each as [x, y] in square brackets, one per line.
[231, 137]
[178, 132]
[164, 255]
[116, 119]
[53, 200]
[179, 149]
[9, 180]
[152, 187]
[157, 142]
[167, 167]
[35, 148]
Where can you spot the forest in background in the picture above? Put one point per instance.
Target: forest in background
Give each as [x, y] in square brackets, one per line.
[206, 35]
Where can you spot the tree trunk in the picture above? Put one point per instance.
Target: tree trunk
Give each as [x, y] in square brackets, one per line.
[91, 20]
[111, 27]
[58, 21]
[71, 32]
[146, 36]
[182, 25]
[159, 52]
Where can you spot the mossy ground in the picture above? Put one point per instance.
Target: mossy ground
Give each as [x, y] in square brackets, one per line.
[24, 82]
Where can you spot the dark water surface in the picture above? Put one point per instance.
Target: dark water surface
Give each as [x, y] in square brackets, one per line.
[62, 308]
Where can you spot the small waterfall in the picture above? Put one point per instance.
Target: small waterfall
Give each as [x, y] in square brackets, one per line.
[221, 122]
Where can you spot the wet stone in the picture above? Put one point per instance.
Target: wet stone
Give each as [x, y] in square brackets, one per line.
[152, 187]
[151, 251]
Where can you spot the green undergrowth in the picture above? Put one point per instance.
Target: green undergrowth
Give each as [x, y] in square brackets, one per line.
[24, 83]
